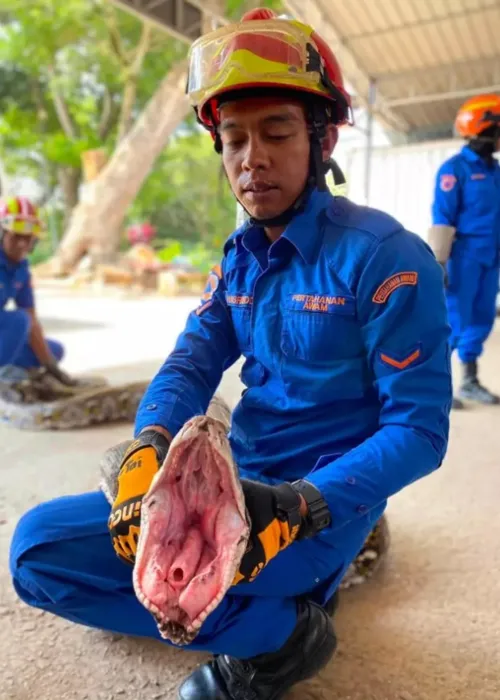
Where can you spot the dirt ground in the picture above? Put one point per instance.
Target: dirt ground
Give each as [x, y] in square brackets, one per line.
[425, 628]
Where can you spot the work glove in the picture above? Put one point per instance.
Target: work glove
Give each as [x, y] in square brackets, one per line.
[274, 513]
[142, 459]
[55, 371]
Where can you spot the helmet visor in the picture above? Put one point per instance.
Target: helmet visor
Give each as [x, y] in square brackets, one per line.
[29, 226]
[274, 52]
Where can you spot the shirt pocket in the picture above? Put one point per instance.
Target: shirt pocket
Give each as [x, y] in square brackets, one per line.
[480, 196]
[322, 356]
[328, 333]
[240, 308]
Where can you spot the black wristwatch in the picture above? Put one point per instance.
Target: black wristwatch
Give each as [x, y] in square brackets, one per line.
[318, 513]
[149, 438]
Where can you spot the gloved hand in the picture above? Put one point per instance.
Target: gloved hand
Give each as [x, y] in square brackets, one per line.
[275, 516]
[59, 374]
[141, 461]
[445, 273]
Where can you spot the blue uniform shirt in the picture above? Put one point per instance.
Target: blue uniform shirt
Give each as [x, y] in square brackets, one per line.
[467, 197]
[15, 283]
[342, 323]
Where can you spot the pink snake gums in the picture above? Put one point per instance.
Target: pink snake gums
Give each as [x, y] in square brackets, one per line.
[194, 531]
[195, 528]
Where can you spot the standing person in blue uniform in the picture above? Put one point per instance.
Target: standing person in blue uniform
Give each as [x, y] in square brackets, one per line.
[465, 237]
[22, 342]
[340, 316]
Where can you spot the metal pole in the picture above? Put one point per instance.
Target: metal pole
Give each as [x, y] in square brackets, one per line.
[369, 139]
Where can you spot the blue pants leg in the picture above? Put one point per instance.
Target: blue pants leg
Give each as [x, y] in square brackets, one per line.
[14, 334]
[14, 341]
[62, 561]
[471, 298]
[26, 357]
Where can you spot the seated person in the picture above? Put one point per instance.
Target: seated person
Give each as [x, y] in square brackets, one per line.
[22, 342]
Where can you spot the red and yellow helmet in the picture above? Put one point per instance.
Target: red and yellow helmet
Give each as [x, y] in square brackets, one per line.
[477, 114]
[19, 215]
[264, 51]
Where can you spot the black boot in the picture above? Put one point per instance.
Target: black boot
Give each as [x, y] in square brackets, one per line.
[268, 676]
[332, 604]
[472, 390]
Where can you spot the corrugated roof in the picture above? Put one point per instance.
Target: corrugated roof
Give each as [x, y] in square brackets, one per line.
[425, 56]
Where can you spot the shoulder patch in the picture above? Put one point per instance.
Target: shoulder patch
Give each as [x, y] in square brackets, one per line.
[400, 279]
[447, 182]
[211, 286]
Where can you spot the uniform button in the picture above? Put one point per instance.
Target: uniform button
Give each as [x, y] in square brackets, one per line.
[151, 406]
[362, 509]
[351, 480]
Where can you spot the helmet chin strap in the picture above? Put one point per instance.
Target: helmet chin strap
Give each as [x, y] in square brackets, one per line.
[318, 168]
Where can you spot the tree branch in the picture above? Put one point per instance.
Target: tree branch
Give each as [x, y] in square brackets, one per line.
[61, 107]
[115, 38]
[108, 116]
[131, 76]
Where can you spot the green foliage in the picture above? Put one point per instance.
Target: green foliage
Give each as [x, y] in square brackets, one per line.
[186, 196]
[236, 8]
[73, 56]
[78, 55]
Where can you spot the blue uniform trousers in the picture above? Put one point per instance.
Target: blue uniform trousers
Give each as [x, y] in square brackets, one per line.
[14, 337]
[471, 302]
[62, 561]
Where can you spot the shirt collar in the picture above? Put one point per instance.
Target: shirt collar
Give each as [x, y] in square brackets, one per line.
[303, 232]
[470, 155]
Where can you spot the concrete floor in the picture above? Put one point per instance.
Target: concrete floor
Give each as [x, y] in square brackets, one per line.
[426, 628]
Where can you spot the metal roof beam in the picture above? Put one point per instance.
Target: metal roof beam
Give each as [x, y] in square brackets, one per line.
[439, 96]
[490, 62]
[444, 17]
[315, 13]
[183, 19]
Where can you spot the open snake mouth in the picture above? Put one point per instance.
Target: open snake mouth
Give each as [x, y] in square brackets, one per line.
[194, 531]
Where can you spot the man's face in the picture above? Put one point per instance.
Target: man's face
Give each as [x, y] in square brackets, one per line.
[265, 152]
[16, 246]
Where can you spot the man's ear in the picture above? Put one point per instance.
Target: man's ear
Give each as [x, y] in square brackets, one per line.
[330, 141]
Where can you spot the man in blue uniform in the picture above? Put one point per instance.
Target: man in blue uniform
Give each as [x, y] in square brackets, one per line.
[465, 237]
[340, 316]
[22, 342]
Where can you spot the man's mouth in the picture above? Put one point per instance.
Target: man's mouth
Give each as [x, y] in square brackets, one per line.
[259, 187]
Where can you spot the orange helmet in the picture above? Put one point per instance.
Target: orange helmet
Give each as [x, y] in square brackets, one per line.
[477, 114]
[19, 215]
[264, 51]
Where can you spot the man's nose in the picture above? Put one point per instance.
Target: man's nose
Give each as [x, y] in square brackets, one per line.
[256, 155]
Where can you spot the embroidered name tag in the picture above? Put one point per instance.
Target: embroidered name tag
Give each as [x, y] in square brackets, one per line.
[478, 176]
[239, 299]
[401, 279]
[322, 303]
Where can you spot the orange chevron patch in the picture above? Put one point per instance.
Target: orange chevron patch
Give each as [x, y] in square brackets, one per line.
[400, 364]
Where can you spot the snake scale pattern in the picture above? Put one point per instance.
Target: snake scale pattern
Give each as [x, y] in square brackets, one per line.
[34, 400]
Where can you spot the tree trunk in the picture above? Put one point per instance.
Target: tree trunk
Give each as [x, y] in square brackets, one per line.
[97, 220]
[69, 182]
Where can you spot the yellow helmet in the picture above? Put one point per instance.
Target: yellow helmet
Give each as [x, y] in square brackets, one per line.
[19, 215]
